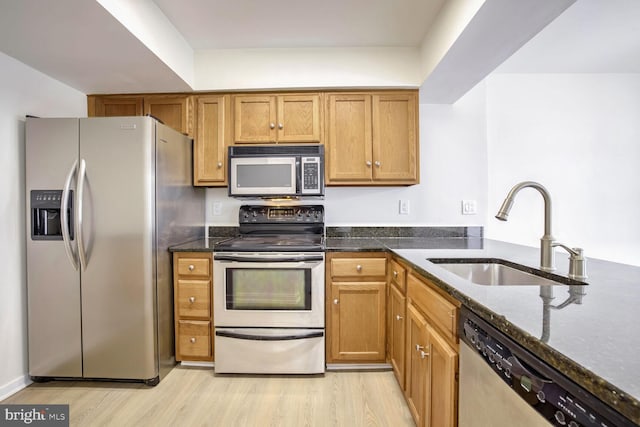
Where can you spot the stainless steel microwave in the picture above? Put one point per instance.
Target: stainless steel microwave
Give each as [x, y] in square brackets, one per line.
[276, 171]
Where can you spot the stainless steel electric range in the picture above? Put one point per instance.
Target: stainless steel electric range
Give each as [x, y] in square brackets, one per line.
[269, 292]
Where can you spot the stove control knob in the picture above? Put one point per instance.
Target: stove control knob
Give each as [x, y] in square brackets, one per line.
[560, 418]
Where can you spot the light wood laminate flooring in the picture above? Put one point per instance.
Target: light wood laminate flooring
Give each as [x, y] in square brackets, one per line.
[196, 397]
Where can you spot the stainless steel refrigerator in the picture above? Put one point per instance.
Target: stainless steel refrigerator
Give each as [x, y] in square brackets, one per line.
[105, 197]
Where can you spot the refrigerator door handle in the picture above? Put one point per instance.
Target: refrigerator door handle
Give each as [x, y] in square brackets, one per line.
[80, 191]
[64, 217]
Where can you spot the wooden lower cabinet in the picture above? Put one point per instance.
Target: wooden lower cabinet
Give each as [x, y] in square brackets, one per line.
[397, 335]
[356, 307]
[193, 305]
[431, 358]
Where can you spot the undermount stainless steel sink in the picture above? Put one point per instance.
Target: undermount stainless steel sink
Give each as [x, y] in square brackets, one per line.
[497, 272]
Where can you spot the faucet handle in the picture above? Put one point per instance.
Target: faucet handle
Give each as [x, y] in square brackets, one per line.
[577, 264]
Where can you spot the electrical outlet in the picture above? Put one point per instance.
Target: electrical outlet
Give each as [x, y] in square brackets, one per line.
[469, 207]
[217, 208]
[404, 207]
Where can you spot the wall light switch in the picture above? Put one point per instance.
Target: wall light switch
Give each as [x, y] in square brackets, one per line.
[469, 207]
[404, 207]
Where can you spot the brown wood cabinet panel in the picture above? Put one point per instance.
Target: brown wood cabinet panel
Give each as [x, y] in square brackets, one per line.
[417, 365]
[255, 118]
[349, 141]
[398, 275]
[194, 298]
[358, 321]
[442, 394]
[298, 118]
[438, 309]
[194, 266]
[358, 267]
[395, 139]
[114, 106]
[212, 138]
[194, 340]
[397, 335]
[173, 111]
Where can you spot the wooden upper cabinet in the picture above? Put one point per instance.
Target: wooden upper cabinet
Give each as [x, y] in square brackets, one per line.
[212, 137]
[173, 111]
[114, 106]
[395, 140]
[349, 142]
[265, 119]
[372, 138]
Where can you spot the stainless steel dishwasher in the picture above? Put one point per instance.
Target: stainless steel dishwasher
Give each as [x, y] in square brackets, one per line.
[503, 384]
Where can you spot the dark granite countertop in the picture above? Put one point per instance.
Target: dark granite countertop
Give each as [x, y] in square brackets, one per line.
[593, 343]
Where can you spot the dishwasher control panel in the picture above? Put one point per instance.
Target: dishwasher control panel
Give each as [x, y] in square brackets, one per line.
[554, 396]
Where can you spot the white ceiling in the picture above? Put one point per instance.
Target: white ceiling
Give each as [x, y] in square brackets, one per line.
[591, 36]
[232, 24]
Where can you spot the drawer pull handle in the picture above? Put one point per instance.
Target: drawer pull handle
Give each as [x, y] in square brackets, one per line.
[335, 301]
[398, 317]
[192, 267]
[419, 347]
[359, 267]
[423, 354]
[192, 299]
[193, 340]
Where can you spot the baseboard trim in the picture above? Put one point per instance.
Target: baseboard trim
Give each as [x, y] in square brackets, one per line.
[359, 367]
[14, 386]
[197, 364]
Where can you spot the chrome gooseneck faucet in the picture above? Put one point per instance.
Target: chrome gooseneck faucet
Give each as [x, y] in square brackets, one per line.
[577, 262]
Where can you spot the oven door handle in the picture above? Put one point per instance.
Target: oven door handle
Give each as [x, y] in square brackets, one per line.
[318, 334]
[307, 258]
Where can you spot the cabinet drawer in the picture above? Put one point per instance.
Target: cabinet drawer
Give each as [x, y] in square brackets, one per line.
[398, 275]
[194, 338]
[440, 311]
[194, 298]
[350, 267]
[193, 266]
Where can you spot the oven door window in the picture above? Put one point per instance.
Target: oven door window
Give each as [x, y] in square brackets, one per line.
[268, 289]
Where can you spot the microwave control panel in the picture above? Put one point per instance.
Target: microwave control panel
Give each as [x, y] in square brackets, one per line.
[311, 175]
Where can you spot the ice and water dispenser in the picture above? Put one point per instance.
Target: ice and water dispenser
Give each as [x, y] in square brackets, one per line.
[46, 215]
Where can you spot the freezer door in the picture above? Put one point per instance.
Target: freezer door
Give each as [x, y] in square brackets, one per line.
[53, 285]
[117, 231]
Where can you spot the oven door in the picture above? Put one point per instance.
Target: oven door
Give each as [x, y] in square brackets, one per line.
[269, 290]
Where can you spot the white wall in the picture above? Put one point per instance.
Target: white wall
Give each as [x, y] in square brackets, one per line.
[24, 91]
[453, 166]
[578, 135]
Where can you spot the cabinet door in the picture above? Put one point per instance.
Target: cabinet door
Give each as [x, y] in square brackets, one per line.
[107, 106]
[395, 139]
[348, 153]
[210, 145]
[299, 118]
[442, 392]
[255, 119]
[417, 369]
[358, 321]
[397, 331]
[173, 111]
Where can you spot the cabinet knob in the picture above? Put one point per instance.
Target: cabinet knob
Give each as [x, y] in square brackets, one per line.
[192, 339]
[192, 299]
[280, 126]
[358, 267]
[419, 347]
[369, 163]
[398, 317]
[219, 165]
[272, 125]
[377, 163]
[395, 273]
[423, 354]
[335, 301]
[192, 267]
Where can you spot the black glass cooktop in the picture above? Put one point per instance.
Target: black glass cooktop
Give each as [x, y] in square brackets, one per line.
[282, 242]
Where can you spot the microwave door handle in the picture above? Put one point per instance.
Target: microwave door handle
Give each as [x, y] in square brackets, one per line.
[233, 258]
[64, 217]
